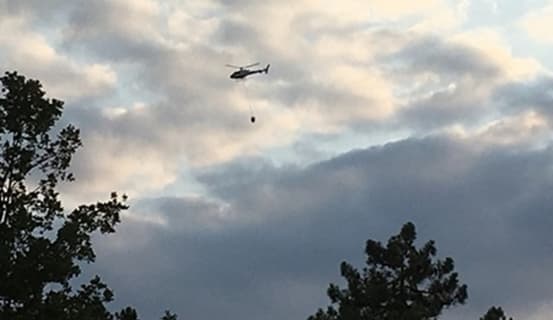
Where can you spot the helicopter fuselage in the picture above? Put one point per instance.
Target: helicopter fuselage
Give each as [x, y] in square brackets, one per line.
[243, 73]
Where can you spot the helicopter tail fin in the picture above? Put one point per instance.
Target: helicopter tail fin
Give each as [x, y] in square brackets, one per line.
[266, 70]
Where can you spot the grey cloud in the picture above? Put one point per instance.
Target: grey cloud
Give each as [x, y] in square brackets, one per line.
[437, 55]
[41, 10]
[236, 33]
[536, 94]
[140, 45]
[489, 209]
[62, 76]
[190, 76]
[445, 107]
[195, 72]
[466, 81]
[110, 31]
[169, 130]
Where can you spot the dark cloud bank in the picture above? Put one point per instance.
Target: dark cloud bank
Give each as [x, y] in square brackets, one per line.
[287, 229]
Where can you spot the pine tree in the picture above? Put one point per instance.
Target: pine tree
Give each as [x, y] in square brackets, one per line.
[400, 282]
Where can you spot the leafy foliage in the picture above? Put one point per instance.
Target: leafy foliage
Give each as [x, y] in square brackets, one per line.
[169, 316]
[42, 246]
[127, 314]
[400, 282]
[495, 313]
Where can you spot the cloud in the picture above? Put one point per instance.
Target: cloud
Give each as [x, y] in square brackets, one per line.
[143, 148]
[273, 241]
[337, 72]
[120, 29]
[453, 81]
[493, 46]
[524, 129]
[537, 23]
[357, 68]
[33, 8]
[534, 95]
[441, 83]
[145, 81]
[63, 77]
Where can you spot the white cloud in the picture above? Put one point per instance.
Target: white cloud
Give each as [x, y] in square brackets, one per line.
[526, 130]
[187, 29]
[538, 23]
[495, 48]
[443, 17]
[30, 53]
[374, 10]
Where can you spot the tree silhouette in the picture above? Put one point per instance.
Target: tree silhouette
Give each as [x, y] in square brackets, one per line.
[400, 282]
[495, 313]
[169, 316]
[127, 314]
[41, 245]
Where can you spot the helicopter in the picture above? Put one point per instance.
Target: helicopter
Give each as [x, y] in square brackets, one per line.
[243, 72]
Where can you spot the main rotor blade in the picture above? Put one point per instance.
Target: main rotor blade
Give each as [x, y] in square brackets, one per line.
[232, 66]
[251, 65]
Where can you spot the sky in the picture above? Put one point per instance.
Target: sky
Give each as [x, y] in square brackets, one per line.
[373, 114]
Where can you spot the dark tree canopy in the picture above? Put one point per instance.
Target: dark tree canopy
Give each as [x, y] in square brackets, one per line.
[495, 313]
[169, 316]
[42, 245]
[400, 282]
[127, 314]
